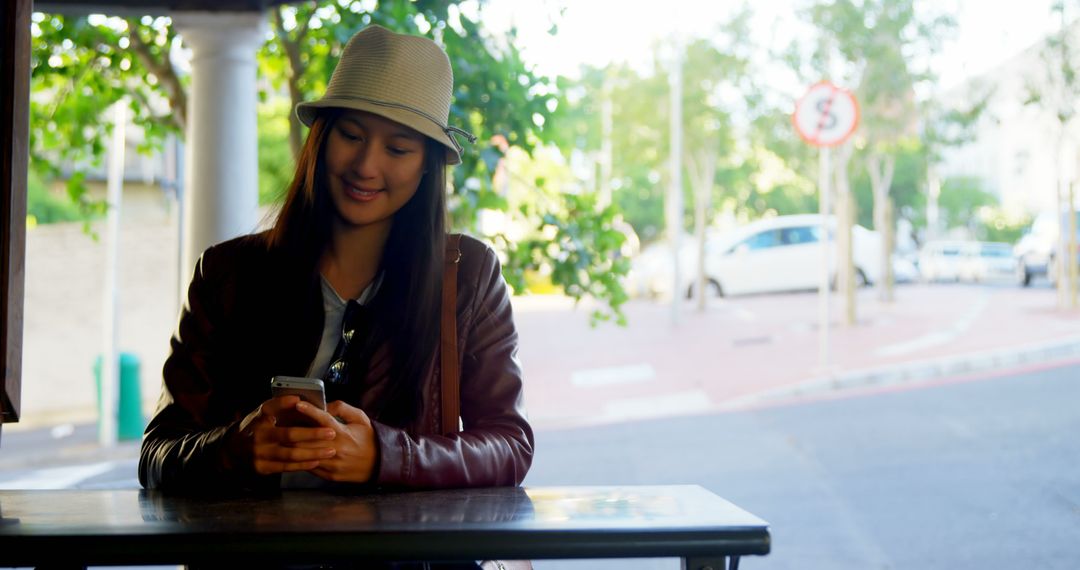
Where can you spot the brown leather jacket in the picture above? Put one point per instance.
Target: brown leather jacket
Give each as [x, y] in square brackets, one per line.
[245, 322]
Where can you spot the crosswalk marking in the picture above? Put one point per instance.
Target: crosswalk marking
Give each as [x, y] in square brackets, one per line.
[57, 477]
[613, 375]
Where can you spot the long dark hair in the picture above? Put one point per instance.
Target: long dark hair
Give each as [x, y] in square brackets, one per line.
[406, 307]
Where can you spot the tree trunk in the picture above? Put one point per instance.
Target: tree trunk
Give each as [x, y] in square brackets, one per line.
[1071, 212]
[164, 71]
[702, 168]
[882, 168]
[1060, 268]
[292, 52]
[888, 238]
[933, 213]
[845, 216]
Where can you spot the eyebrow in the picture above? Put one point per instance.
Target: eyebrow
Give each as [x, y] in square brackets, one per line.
[396, 134]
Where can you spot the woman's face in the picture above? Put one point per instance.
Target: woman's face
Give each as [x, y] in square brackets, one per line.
[374, 166]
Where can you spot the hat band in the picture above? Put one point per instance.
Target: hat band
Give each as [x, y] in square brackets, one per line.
[446, 129]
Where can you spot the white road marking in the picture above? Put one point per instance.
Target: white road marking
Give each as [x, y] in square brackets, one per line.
[57, 477]
[941, 337]
[613, 375]
[688, 402]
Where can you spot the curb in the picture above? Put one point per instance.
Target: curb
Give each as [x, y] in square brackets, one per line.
[916, 372]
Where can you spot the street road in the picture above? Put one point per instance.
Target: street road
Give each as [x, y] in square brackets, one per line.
[968, 474]
[979, 472]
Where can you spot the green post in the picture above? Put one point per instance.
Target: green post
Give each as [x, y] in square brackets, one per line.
[130, 424]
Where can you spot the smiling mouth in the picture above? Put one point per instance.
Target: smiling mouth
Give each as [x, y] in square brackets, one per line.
[361, 194]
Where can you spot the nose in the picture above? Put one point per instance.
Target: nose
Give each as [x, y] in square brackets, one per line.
[365, 162]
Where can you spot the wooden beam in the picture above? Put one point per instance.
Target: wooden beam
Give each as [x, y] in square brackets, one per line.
[14, 155]
[155, 7]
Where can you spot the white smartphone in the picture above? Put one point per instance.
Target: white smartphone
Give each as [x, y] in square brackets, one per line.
[310, 390]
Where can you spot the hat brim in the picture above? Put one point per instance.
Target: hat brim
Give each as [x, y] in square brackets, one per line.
[307, 111]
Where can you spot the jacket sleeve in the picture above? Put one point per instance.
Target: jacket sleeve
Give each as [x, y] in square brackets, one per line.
[183, 446]
[496, 446]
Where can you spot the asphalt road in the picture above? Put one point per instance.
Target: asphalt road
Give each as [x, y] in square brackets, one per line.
[973, 473]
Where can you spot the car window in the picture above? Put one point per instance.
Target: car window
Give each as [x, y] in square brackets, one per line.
[996, 251]
[763, 240]
[798, 235]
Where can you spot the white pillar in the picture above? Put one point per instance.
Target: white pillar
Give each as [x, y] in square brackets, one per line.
[221, 197]
[110, 365]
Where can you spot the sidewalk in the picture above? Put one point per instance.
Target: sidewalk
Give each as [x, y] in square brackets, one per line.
[750, 351]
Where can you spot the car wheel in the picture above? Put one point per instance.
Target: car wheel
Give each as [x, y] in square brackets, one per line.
[1023, 276]
[715, 288]
[712, 288]
[860, 279]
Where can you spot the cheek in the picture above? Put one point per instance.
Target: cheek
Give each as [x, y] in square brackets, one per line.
[411, 175]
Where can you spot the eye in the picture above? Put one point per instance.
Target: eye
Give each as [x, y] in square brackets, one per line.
[350, 136]
[398, 151]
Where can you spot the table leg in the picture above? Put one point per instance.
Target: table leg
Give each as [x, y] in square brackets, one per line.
[710, 563]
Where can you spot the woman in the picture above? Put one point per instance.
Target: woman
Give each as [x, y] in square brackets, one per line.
[364, 221]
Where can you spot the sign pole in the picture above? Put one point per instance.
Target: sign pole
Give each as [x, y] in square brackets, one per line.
[824, 117]
[825, 190]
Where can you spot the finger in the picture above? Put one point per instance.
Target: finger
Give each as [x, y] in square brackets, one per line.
[349, 414]
[269, 467]
[320, 444]
[275, 406]
[293, 454]
[324, 418]
[296, 435]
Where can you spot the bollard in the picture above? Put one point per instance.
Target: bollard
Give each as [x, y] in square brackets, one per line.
[130, 424]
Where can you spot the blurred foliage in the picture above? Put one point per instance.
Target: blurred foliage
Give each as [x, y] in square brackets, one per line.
[718, 102]
[965, 204]
[80, 67]
[276, 164]
[84, 64]
[998, 226]
[961, 198]
[44, 206]
[1056, 85]
[580, 242]
[907, 188]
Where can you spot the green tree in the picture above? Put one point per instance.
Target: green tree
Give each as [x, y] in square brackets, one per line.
[960, 199]
[1055, 88]
[947, 127]
[717, 87]
[82, 65]
[876, 40]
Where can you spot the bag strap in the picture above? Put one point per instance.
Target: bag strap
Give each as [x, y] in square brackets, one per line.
[451, 390]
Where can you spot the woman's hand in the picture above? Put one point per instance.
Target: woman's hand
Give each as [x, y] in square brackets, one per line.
[354, 444]
[266, 448]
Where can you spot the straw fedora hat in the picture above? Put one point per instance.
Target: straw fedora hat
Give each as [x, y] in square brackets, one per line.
[403, 78]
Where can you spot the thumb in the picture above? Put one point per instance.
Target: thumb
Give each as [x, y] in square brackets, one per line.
[347, 413]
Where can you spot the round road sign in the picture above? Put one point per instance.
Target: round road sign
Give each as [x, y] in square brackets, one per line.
[826, 115]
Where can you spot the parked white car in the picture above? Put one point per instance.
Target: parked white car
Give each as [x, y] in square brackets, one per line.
[1036, 252]
[940, 260]
[652, 271]
[785, 254]
[987, 261]
[776, 254]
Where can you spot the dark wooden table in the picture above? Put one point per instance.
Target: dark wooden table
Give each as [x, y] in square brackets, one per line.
[144, 527]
